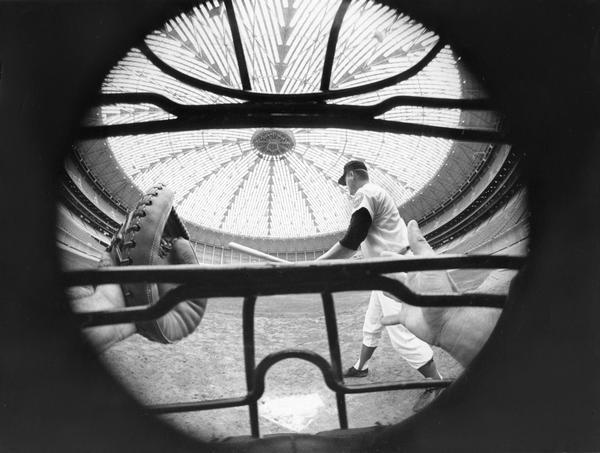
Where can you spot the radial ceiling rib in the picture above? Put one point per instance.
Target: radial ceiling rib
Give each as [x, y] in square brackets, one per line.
[304, 196]
[385, 171]
[216, 170]
[332, 43]
[237, 44]
[153, 165]
[303, 157]
[237, 191]
[271, 194]
[206, 205]
[350, 156]
[316, 96]
[330, 206]
[162, 159]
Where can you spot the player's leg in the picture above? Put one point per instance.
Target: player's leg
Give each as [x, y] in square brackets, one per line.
[372, 329]
[361, 367]
[429, 370]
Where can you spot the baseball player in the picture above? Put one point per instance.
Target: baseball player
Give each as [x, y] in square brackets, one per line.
[376, 227]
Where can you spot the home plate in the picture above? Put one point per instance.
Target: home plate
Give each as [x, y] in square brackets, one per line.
[293, 412]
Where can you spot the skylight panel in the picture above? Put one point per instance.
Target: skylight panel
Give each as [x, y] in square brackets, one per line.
[290, 215]
[135, 153]
[200, 44]
[218, 182]
[221, 189]
[248, 210]
[312, 157]
[441, 78]
[421, 115]
[163, 172]
[376, 38]
[285, 46]
[327, 203]
[124, 113]
[135, 74]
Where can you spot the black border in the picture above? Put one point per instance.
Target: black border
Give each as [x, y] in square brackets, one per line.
[534, 387]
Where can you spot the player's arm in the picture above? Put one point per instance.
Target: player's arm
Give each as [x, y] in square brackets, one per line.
[360, 222]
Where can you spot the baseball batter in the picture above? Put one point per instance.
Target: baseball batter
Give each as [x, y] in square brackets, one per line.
[377, 227]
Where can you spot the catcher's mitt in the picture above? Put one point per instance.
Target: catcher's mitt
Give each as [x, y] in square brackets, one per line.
[153, 234]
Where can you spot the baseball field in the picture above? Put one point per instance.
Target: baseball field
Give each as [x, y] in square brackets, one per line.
[209, 365]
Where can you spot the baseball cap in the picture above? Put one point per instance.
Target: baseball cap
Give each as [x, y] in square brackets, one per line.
[352, 165]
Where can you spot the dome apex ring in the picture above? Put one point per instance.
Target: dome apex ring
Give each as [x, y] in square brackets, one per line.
[273, 142]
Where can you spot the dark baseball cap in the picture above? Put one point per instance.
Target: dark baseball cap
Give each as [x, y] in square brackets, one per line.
[352, 165]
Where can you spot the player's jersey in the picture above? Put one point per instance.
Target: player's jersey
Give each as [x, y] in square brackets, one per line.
[388, 231]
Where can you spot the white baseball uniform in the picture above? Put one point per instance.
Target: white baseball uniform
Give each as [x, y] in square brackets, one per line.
[387, 233]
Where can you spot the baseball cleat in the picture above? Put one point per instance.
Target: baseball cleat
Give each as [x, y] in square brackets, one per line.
[353, 372]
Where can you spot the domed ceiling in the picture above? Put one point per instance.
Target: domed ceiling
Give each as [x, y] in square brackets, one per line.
[249, 110]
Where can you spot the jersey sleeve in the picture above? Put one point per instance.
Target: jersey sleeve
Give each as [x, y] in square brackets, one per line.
[363, 200]
[360, 222]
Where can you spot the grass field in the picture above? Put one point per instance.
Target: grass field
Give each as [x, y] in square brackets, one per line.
[209, 364]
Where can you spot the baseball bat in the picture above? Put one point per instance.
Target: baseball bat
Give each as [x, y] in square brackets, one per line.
[256, 253]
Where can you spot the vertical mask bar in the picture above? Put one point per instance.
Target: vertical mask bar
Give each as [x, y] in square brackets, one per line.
[332, 44]
[334, 352]
[250, 359]
[237, 45]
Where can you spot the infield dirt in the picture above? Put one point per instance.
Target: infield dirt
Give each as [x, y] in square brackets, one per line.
[209, 364]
